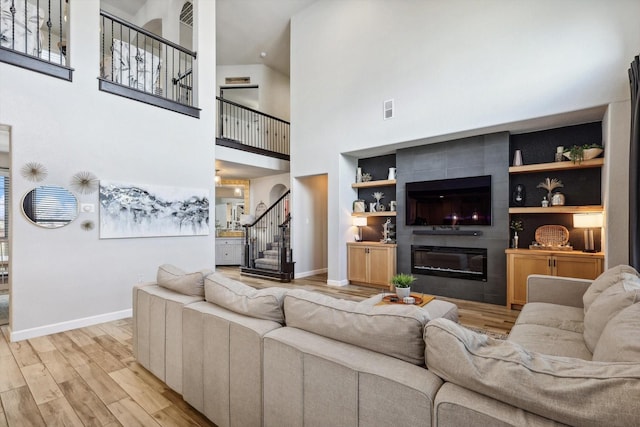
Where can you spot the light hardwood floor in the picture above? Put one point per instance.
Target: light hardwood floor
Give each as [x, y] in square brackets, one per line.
[88, 376]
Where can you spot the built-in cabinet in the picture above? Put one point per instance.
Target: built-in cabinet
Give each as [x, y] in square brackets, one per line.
[371, 263]
[523, 262]
[229, 250]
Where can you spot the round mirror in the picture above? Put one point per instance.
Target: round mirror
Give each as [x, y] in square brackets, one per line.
[50, 206]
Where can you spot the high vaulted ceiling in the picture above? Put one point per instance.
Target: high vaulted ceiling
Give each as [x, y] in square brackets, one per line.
[245, 29]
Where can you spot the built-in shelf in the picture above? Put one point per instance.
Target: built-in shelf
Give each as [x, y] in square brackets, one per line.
[383, 213]
[555, 209]
[448, 232]
[380, 183]
[556, 166]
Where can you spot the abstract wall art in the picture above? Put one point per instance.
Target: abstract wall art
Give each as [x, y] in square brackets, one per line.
[136, 210]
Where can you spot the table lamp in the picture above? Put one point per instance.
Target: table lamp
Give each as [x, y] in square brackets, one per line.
[360, 221]
[588, 221]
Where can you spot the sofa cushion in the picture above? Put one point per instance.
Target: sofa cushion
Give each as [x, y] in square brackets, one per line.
[394, 330]
[620, 340]
[236, 296]
[610, 302]
[604, 281]
[550, 340]
[568, 390]
[552, 315]
[174, 278]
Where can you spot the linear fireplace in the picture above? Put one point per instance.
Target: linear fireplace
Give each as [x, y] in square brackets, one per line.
[448, 261]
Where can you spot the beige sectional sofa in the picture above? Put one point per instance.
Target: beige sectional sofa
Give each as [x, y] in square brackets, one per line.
[277, 357]
[573, 357]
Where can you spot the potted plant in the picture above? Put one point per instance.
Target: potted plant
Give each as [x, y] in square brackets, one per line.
[578, 153]
[402, 283]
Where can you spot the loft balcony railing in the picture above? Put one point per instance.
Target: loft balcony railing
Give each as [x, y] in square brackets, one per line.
[250, 130]
[33, 35]
[138, 64]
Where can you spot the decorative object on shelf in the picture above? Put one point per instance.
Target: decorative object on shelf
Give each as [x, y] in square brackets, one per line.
[559, 154]
[372, 207]
[402, 284]
[359, 175]
[87, 225]
[378, 195]
[517, 158]
[358, 206]
[578, 153]
[388, 232]
[34, 171]
[550, 184]
[516, 226]
[393, 206]
[552, 237]
[588, 221]
[518, 196]
[366, 177]
[392, 174]
[557, 199]
[359, 221]
[545, 202]
[84, 182]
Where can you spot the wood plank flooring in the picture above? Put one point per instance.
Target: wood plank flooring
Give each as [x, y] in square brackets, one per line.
[88, 376]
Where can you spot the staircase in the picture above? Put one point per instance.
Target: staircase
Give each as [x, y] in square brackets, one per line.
[267, 248]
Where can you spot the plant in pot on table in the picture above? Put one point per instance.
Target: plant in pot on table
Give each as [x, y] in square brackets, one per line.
[402, 284]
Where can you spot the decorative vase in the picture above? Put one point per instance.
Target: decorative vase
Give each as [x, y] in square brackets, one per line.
[359, 175]
[392, 173]
[557, 199]
[517, 158]
[515, 240]
[403, 292]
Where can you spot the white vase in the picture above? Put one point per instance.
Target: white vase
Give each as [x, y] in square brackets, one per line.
[403, 292]
[359, 175]
[517, 158]
[392, 173]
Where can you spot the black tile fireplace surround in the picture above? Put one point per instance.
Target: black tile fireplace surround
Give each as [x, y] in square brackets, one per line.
[449, 261]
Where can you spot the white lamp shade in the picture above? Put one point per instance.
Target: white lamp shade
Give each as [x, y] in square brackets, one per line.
[587, 220]
[360, 221]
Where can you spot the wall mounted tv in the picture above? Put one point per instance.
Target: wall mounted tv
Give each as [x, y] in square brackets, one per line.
[449, 202]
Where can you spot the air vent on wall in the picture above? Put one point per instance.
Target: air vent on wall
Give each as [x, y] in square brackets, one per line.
[237, 80]
[388, 109]
[186, 14]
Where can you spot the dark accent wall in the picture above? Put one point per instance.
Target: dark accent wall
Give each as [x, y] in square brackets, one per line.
[481, 155]
[378, 167]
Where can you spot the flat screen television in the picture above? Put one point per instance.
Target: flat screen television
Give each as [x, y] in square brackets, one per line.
[449, 202]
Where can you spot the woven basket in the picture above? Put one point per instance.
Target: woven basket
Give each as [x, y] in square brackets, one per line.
[552, 235]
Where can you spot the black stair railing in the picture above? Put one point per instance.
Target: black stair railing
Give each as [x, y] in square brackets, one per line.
[267, 247]
[252, 130]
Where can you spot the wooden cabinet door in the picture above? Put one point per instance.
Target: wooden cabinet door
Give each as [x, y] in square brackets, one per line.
[577, 266]
[357, 263]
[379, 266]
[519, 267]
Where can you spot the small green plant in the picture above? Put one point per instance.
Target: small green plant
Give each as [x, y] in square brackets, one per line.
[402, 280]
[576, 152]
[516, 225]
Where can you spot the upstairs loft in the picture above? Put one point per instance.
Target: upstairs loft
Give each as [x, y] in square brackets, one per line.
[134, 63]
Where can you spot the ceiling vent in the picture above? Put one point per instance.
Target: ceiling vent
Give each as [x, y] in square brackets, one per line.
[237, 80]
[186, 14]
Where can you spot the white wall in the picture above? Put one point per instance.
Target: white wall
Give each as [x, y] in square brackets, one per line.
[273, 86]
[261, 187]
[453, 68]
[310, 197]
[67, 277]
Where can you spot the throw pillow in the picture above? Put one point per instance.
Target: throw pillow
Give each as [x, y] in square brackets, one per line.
[240, 298]
[176, 279]
[620, 340]
[394, 330]
[630, 281]
[604, 281]
[610, 302]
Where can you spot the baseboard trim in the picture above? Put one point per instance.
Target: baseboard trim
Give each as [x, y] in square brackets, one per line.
[337, 282]
[68, 325]
[311, 273]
